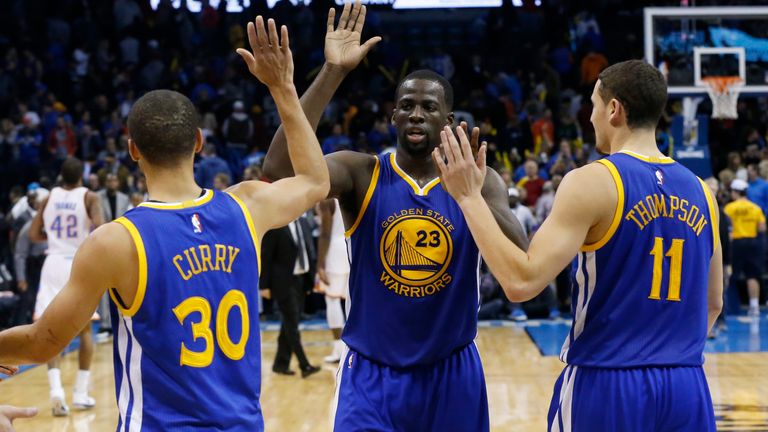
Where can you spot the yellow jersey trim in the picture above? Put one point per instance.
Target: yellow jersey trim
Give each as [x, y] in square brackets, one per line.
[619, 209]
[251, 228]
[714, 216]
[181, 205]
[366, 200]
[141, 288]
[421, 191]
[649, 159]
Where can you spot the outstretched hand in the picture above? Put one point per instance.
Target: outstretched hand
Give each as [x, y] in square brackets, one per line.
[270, 59]
[342, 42]
[9, 413]
[461, 174]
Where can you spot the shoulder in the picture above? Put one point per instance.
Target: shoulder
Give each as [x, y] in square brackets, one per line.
[111, 242]
[353, 160]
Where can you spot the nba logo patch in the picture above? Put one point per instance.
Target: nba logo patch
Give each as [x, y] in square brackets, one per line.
[198, 227]
[659, 178]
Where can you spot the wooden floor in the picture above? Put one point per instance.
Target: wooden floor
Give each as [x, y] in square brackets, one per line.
[519, 383]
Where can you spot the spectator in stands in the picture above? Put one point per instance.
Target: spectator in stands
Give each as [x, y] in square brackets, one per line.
[112, 165]
[221, 181]
[532, 183]
[748, 225]
[735, 164]
[113, 202]
[238, 130]
[545, 202]
[758, 188]
[61, 140]
[337, 141]
[210, 165]
[522, 213]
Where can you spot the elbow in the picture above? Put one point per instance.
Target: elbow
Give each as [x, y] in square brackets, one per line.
[715, 306]
[516, 289]
[319, 191]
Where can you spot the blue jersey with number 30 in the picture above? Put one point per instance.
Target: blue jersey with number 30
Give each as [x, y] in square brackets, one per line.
[186, 353]
[640, 293]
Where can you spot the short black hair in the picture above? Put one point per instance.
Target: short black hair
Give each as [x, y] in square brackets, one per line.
[163, 125]
[71, 171]
[639, 87]
[426, 74]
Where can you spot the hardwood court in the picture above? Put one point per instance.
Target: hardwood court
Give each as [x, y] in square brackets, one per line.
[519, 379]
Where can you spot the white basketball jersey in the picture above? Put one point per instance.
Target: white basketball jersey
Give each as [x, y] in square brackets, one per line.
[66, 220]
[336, 260]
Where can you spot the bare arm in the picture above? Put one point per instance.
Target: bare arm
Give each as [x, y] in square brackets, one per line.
[715, 290]
[279, 203]
[496, 196]
[37, 231]
[327, 209]
[524, 275]
[73, 307]
[343, 52]
[95, 211]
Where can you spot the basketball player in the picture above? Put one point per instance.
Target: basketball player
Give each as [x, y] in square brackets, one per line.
[182, 269]
[412, 363]
[65, 219]
[333, 271]
[648, 272]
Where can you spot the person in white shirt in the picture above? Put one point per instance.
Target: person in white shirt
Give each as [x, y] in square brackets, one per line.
[65, 219]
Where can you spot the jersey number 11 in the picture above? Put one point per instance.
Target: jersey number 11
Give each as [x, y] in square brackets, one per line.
[675, 253]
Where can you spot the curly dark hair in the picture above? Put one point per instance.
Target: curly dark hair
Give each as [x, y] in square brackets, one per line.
[163, 125]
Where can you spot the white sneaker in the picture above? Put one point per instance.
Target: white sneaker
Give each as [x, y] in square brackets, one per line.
[333, 358]
[754, 312]
[59, 404]
[82, 401]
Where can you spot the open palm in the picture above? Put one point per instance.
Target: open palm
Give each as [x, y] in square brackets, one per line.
[342, 42]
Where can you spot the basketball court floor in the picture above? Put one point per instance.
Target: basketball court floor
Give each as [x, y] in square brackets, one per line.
[520, 362]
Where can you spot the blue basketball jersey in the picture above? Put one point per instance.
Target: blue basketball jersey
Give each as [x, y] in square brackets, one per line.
[414, 273]
[187, 352]
[640, 294]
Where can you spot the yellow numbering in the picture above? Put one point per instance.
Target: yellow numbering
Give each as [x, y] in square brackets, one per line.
[675, 253]
[202, 329]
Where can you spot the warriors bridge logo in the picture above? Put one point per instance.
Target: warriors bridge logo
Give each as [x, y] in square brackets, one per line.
[416, 251]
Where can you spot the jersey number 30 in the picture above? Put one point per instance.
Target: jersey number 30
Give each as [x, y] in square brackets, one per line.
[202, 329]
[675, 253]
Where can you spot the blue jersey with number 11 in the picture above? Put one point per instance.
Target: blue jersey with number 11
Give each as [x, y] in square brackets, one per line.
[640, 294]
[187, 354]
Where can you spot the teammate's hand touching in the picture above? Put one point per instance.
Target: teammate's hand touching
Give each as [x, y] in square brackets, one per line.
[10, 413]
[270, 59]
[342, 42]
[461, 173]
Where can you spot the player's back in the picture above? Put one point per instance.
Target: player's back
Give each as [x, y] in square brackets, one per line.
[187, 352]
[640, 294]
[66, 221]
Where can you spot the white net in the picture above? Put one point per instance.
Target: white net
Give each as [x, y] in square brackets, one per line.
[724, 93]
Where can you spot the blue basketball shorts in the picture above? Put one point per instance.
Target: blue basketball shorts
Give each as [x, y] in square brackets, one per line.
[449, 395]
[658, 399]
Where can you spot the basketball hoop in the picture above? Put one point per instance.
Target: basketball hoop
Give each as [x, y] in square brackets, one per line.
[724, 93]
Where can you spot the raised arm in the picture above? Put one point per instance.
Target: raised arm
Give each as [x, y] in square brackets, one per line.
[343, 52]
[583, 195]
[274, 205]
